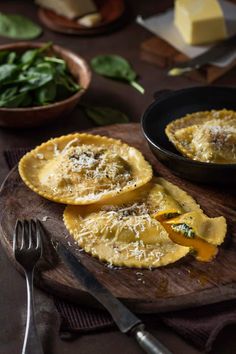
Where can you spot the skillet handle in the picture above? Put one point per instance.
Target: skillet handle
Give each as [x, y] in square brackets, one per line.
[161, 93]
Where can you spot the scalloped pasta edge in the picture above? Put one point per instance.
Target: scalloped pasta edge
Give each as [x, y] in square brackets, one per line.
[65, 200]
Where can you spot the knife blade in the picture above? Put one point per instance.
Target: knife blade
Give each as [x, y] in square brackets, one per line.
[218, 51]
[126, 321]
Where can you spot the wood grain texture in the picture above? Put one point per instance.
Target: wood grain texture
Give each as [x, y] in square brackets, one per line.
[158, 52]
[186, 283]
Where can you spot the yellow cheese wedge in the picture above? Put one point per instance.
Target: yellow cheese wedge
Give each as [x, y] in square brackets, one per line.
[200, 21]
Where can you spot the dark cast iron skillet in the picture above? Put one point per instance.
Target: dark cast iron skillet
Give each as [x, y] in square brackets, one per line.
[170, 105]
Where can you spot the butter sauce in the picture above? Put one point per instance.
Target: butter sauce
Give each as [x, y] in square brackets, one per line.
[204, 251]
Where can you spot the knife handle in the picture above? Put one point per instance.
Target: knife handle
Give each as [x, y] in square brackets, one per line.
[148, 342]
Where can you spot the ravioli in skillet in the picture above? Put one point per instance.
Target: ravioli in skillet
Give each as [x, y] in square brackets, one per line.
[84, 169]
[152, 226]
[208, 136]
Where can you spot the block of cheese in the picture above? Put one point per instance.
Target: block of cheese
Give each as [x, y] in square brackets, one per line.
[200, 21]
[69, 8]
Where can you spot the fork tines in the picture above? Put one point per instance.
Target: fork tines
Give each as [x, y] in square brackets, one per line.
[27, 234]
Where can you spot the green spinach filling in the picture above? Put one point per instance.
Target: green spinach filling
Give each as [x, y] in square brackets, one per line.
[186, 230]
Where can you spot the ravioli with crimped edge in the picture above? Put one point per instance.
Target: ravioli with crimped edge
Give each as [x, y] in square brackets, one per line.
[83, 169]
[208, 136]
[152, 226]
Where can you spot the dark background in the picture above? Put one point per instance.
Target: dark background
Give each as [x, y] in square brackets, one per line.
[126, 42]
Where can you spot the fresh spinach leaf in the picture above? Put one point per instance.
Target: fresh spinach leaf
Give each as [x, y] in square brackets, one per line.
[56, 60]
[18, 27]
[11, 57]
[67, 82]
[14, 101]
[72, 85]
[113, 66]
[30, 55]
[105, 115]
[116, 67]
[33, 78]
[7, 72]
[36, 77]
[46, 94]
[8, 93]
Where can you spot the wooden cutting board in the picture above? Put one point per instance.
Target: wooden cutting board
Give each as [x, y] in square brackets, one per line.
[158, 52]
[184, 284]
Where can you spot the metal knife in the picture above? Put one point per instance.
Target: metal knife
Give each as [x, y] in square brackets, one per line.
[218, 51]
[126, 321]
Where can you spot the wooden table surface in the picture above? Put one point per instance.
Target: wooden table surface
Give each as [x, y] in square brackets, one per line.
[126, 42]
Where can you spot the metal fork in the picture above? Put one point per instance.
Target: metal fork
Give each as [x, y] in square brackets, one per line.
[27, 247]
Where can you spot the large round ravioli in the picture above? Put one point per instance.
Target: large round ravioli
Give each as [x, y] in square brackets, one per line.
[131, 229]
[123, 230]
[84, 169]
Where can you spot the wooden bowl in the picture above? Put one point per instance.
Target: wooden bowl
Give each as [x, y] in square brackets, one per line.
[38, 115]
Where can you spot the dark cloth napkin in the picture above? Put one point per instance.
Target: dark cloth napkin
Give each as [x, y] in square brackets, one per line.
[201, 325]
